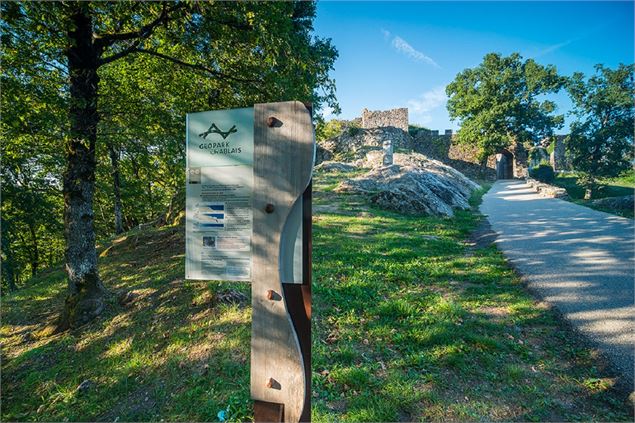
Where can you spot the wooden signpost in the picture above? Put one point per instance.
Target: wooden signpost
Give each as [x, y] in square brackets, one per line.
[280, 242]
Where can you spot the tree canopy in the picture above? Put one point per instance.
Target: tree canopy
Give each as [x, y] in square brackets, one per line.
[501, 102]
[95, 92]
[601, 139]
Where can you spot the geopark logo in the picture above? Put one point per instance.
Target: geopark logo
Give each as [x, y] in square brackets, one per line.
[213, 129]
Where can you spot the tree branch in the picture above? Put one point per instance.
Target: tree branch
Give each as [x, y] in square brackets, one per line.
[194, 66]
[106, 40]
[123, 53]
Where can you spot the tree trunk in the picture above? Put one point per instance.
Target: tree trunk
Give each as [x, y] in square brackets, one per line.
[590, 189]
[86, 292]
[8, 263]
[177, 205]
[116, 185]
[35, 255]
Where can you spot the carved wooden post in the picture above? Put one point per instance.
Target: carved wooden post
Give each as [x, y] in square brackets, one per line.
[280, 339]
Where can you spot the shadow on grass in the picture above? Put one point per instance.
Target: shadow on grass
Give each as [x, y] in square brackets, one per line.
[175, 351]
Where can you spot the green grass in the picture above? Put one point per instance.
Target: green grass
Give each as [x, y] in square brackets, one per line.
[410, 322]
[609, 187]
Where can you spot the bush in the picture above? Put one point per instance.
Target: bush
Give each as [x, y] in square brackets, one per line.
[330, 129]
[543, 173]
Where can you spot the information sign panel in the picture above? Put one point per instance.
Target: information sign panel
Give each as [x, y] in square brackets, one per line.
[219, 193]
[219, 185]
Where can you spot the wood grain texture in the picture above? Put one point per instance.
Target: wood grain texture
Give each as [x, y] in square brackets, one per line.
[283, 160]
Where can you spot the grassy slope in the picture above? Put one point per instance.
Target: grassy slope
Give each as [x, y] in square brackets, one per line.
[410, 323]
[613, 187]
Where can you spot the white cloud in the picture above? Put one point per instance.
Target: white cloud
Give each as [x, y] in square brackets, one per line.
[553, 48]
[404, 47]
[429, 100]
[386, 33]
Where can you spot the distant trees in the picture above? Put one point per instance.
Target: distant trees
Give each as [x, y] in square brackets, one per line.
[499, 103]
[325, 130]
[94, 96]
[601, 140]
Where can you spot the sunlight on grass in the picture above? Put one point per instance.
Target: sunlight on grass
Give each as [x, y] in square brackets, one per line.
[118, 348]
[408, 324]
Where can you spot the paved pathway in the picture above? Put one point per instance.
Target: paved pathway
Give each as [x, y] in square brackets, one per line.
[578, 259]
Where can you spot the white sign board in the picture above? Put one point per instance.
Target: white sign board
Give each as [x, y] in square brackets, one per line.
[218, 205]
[219, 183]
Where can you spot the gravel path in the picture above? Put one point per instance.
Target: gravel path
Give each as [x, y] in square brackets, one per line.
[579, 260]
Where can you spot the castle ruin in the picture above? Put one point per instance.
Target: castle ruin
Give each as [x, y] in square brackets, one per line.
[397, 118]
[439, 145]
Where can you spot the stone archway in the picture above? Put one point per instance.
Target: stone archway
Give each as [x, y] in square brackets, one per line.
[504, 165]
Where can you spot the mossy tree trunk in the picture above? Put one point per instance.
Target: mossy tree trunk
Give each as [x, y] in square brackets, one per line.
[86, 295]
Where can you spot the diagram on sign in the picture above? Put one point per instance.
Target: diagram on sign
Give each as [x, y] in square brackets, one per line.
[209, 216]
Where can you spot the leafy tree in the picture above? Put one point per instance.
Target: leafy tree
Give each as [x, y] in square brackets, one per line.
[325, 130]
[498, 103]
[222, 53]
[601, 140]
[32, 128]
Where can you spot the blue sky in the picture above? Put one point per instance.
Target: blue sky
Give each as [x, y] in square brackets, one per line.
[403, 54]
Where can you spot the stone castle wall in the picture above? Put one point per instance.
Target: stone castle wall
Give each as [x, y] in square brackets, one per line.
[397, 118]
[558, 157]
[459, 156]
[369, 131]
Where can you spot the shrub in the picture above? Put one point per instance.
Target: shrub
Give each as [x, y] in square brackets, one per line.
[330, 129]
[353, 130]
[543, 172]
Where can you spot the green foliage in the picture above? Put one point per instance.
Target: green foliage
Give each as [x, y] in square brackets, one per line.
[498, 102]
[605, 187]
[601, 140]
[334, 127]
[543, 173]
[204, 56]
[33, 129]
[537, 155]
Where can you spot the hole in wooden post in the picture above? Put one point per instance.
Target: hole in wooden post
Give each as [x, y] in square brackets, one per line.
[273, 295]
[273, 384]
[273, 122]
[269, 208]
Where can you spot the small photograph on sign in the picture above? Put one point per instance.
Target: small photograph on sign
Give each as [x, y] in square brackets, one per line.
[209, 241]
[195, 175]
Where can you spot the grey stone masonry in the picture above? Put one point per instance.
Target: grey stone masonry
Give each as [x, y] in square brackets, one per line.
[558, 156]
[387, 153]
[397, 118]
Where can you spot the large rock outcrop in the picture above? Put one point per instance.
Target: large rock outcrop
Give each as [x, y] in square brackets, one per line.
[414, 185]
